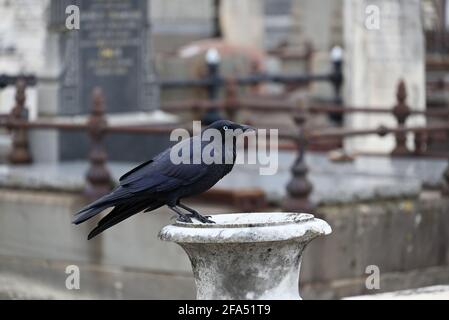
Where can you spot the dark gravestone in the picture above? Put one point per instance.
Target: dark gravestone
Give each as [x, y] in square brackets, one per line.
[110, 50]
[119, 146]
[277, 22]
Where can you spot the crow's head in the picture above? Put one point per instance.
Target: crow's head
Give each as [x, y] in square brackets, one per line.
[224, 125]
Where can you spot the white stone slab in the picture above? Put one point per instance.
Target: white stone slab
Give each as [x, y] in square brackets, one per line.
[242, 22]
[376, 59]
[427, 293]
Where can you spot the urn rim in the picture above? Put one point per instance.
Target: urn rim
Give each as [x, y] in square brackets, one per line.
[247, 228]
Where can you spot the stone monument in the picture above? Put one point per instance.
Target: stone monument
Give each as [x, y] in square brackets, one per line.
[236, 16]
[384, 43]
[247, 255]
[318, 24]
[111, 49]
[177, 23]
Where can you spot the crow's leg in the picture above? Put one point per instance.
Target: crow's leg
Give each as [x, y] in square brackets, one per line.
[194, 214]
[181, 216]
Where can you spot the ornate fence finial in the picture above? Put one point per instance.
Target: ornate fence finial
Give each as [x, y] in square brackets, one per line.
[98, 178]
[446, 175]
[446, 181]
[401, 111]
[19, 153]
[299, 187]
[231, 98]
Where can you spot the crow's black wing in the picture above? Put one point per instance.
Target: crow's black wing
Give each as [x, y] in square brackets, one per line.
[143, 167]
[130, 172]
[161, 175]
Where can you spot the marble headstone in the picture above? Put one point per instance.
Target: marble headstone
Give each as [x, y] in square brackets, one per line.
[319, 24]
[384, 43]
[242, 22]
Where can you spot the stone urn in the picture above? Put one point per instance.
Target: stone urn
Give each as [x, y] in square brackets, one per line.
[247, 255]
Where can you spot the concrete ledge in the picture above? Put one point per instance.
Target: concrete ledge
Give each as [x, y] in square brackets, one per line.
[408, 239]
[426, 293]
[368, 178]
[346, 288]
[29, 278]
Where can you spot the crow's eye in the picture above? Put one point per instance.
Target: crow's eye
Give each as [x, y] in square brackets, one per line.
[225, 128]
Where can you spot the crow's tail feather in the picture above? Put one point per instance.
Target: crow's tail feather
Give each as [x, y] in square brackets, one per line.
[122, 212]
[89, 213]
[112, 199]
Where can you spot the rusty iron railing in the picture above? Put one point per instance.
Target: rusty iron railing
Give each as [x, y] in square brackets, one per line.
[213, 81]
[401, 112]
[19, 152]
[98, 177]
[10, 80]
[299, 187]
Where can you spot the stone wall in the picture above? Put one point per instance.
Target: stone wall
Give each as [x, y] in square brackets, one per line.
[407, 239]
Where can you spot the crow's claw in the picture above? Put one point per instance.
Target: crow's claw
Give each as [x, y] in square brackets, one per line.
[203, 219]
[184, 218]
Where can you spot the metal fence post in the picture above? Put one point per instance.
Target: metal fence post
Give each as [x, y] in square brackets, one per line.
[445, 190]
[230, 105]
[19, 153]
[401, 111]
[99, 181]
[213, 68]
[337, 73]
[299, 187]
[336, 79]
[446, 181]
[421, 140]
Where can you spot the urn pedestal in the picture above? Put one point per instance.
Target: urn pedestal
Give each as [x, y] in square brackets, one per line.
[247, 255]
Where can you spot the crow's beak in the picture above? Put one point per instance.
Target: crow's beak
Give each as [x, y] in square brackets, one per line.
[246, 128]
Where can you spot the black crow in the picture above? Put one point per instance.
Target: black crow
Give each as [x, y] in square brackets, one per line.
[160, 181]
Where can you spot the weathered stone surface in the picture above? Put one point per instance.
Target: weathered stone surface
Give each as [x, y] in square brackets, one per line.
[38, 278]
[236, 16]
[404, 238]
[317, 22]
[426, 293]
[390, 281]
[277, 22]
[139, 148]
[111, 49]
[407, 239]
[247, 255]
[366, 178]
[376, 57]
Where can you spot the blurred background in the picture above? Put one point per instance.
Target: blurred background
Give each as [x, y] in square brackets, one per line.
[357, 89]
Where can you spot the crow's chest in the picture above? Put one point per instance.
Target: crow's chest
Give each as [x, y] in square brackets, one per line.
[214, 174]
